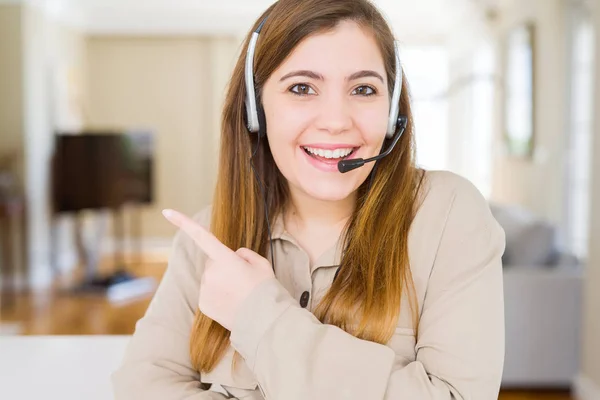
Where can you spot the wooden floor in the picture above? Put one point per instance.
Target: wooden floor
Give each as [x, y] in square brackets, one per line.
[59, 312]
[534, 395]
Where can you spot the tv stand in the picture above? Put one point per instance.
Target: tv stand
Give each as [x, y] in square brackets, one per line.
[120, 284]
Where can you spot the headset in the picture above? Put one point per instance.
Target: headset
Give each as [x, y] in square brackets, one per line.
[256, 121]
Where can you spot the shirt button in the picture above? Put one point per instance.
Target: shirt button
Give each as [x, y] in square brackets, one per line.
[304, 299]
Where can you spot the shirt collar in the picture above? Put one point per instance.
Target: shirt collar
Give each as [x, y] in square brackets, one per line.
[331, 257]
[278, 228]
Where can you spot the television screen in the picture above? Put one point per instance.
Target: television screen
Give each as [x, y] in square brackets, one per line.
[102, 169]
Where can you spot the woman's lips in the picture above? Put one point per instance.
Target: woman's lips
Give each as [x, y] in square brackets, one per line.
[327, 165]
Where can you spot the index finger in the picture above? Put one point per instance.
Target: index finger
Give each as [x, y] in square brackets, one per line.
[202, 237]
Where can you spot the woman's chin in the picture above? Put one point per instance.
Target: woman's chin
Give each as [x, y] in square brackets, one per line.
[328, 191]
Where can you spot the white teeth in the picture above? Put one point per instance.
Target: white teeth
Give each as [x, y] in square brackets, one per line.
[337, 153]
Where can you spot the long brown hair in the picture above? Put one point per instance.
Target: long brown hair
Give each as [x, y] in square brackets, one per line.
[370, 281]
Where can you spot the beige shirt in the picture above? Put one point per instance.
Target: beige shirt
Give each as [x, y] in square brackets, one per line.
[455, 249]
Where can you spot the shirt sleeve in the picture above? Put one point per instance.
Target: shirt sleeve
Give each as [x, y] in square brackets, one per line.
[157, 363]
[459, 351]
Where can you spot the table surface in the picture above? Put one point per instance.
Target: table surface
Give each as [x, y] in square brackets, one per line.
[59, 367]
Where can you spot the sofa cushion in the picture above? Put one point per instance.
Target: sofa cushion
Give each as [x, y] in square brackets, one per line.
[529, 241]
[534, 245]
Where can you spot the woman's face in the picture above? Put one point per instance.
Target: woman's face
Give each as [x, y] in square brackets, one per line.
[328, 97]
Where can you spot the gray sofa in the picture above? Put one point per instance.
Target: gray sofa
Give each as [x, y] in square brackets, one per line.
[542, 290]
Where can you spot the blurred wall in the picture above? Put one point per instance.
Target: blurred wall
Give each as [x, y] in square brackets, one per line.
[591, 329]
[53, 53]
[40, 58]
[11, 86]
[174, 86]
[522, 181]
[537, 184]
[57, 66]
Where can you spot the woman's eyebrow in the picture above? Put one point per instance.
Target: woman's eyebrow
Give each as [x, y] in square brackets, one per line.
[365, 74]
[303, 72]
[314, 75]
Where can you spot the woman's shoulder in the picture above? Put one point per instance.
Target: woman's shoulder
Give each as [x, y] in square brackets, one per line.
[447, 190]
[446, 196]
[453, 222]
[438, 182]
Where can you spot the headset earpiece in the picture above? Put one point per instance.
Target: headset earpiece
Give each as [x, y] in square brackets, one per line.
[395, 100]
[262, 120]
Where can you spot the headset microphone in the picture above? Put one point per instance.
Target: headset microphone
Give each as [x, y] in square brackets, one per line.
[348, 165]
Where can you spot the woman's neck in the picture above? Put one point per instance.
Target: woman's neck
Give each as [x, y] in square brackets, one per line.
[307, 214]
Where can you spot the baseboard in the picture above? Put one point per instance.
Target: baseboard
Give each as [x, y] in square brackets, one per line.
[19, 283]
[11, 329]
[42, 274]
[585, 389]
[40, 277]
[66, 261]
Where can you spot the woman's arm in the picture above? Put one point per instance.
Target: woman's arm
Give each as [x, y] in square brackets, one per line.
[157, 362]
[459, 351]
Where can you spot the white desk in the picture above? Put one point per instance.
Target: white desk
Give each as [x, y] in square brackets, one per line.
[59, 367]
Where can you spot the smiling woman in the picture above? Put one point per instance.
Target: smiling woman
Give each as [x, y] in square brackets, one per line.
[382, 282]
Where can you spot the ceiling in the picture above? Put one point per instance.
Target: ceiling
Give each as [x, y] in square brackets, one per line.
[411, 19]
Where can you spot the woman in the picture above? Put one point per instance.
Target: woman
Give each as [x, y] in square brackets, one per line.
[384, 282]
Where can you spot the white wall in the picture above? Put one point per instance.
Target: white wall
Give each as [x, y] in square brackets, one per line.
[31, 45]
[591, 329]
[174, 86]
[538, 184]
[11, 86]
[52, 55]
[11, 108]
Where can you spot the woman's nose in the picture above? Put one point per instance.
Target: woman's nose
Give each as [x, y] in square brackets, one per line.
[334, 114]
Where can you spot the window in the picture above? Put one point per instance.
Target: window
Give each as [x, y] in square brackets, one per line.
[462, 141]
[580, 129]
[426, 69]
[479, 143]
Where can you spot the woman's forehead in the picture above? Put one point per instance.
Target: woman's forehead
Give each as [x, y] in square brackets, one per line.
[336, 53]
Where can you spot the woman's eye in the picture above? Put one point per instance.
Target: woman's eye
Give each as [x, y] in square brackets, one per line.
[302, 89]
[364, 91]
